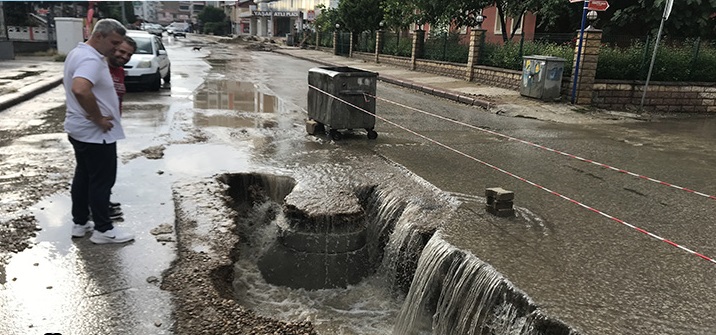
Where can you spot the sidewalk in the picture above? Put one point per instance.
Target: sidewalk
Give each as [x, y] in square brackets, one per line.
[25, 77]
[494, 99]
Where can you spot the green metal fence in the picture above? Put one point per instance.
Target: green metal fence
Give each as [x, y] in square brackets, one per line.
[397, 45]
[677, 59]
[365, 42]
[343, 43]
[446, 47]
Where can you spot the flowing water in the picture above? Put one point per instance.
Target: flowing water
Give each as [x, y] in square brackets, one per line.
[419, 283]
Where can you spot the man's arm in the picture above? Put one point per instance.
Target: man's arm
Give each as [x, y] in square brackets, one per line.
[82, 89]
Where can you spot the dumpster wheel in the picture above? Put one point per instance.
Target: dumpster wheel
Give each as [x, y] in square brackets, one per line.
[372, 134]
[335, 134]
[313, 127]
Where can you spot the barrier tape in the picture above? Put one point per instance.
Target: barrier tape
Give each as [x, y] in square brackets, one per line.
[551, 150]
[622, 222]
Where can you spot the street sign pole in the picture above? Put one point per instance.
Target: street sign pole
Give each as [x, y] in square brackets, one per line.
[664, 17]
[579, 50]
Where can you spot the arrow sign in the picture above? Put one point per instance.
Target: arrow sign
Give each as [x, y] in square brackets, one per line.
[598, 5]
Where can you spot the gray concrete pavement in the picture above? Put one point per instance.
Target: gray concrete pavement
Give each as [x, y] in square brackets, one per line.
[25, 77]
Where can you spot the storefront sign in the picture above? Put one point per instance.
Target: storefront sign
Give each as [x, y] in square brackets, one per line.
[275, 13]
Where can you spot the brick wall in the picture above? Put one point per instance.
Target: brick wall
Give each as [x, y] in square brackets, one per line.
[609, 94]
[660, 97]
[493, 76]
[441, 68]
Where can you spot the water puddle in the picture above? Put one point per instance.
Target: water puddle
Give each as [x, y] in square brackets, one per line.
[23, 74]
[232, 121]
[234, 95]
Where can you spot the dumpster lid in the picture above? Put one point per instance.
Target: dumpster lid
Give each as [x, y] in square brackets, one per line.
[343, 71]
[545, 58]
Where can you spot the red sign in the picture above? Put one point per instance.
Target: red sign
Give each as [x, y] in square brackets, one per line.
[598, 5]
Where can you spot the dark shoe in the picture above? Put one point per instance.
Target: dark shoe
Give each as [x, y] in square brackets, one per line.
[115, 213]
[114, 205]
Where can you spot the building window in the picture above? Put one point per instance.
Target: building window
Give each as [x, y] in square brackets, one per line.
[510, 22]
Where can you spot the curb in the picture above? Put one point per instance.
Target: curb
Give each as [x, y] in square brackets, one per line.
[29, 94]
[411, 85]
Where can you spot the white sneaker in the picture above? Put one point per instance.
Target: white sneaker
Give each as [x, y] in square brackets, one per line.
[79, 230]
[114, 235]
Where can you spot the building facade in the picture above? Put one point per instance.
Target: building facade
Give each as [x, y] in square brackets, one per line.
[269, 18]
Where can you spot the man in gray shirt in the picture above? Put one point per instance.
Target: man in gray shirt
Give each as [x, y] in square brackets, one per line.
[93, 126]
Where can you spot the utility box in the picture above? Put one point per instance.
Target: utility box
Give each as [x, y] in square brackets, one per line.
[542, 77]
[7, 50]
[341, 98]
[69, 33]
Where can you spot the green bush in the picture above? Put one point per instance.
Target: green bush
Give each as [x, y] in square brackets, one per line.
[509, 55]
[689, 60]
[446, 47]
[397, 45]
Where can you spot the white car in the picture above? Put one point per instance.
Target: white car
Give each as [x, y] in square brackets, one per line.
[150, 63]
[177, 29]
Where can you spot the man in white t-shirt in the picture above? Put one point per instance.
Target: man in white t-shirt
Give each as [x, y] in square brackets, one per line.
[93, 125]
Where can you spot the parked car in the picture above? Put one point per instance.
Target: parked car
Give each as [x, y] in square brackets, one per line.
[150, 63]
[178, 29]
[154, 29]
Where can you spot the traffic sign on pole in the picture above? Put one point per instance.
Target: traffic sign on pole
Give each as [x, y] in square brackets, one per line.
[598, 5]
[667, 11]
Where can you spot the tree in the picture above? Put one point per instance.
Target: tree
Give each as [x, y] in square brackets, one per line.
[689, 18]
[16, 13]
[402, 13]
[360, 15]
[213, 21]
[327, 19]
[212, 14]
[460, 13]
[510, 8]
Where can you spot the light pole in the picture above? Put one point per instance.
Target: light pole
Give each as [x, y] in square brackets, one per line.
[479, 19]
[592, 16]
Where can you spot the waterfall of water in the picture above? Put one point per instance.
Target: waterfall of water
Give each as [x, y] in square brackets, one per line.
[454, 292]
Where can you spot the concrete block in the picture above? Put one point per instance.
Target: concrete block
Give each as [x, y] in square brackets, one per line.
[503, 213]
[499, 194]
[499, 204]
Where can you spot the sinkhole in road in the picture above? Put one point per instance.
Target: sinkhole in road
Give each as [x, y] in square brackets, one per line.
[366, 260]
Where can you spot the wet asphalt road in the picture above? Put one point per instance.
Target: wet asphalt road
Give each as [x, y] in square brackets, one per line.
[587, 270]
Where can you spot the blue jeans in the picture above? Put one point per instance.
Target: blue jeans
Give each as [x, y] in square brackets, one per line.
[95, 174]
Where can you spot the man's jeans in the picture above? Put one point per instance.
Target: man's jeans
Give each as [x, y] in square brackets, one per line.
[95, 174]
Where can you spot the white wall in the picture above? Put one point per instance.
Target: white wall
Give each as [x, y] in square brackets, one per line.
[69, 33]
[27, 33]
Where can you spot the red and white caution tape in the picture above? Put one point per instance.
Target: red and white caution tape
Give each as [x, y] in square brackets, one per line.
[641, 230]
[549, 149]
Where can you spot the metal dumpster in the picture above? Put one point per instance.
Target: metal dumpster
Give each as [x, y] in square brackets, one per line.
[329, 90]
[542, 77]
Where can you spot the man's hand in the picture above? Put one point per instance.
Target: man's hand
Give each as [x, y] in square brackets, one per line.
[104, 122]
